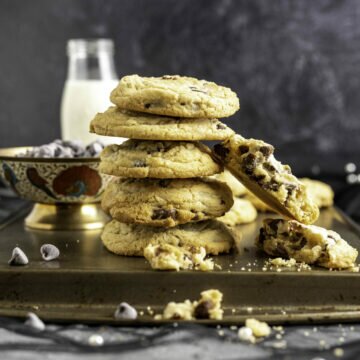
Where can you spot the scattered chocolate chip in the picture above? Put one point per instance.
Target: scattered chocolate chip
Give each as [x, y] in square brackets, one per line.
[125, 312]
[34, 322]
[49, 252]
[221, 151]
[257, 178]
[281, 251]
[18, 258]
[202, 310]
[222, 202]
[147, 106]
[220, 126]
[139, 163]
[331, 237]
[196, 217]
[160, 214]
[182, 104]
[266, 150]
[243, 149]
[290, 188]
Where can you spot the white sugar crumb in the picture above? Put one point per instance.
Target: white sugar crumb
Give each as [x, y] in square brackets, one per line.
[259, 328]
[338, 352]
[278, 264]
[249, 309]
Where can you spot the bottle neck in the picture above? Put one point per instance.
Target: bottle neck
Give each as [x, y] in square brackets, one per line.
[83, 66]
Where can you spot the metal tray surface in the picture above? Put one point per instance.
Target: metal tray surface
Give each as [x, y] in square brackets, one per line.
[87, 282]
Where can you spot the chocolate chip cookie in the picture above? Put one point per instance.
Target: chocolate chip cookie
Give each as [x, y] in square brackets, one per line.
[322, 193]
[158, 159]
[132, 239]
[253, 163]
[306, 243]
[134, 125]
[242, 212]
[175, 95]
[166, 202]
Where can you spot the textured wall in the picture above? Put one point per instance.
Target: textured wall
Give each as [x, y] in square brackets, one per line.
[294, 64]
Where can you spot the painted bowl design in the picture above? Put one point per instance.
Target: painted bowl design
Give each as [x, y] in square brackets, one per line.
[53, 180]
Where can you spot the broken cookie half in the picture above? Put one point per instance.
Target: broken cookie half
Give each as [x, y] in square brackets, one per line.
[171, 257]
[253, 163]
[306, 243]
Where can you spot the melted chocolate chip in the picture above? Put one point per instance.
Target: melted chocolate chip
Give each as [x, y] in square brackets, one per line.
[273, 225]
[257, 178]
[243, 149]
[266, 150]
[160, 214]
[249, 163]
[272, 185]
[202, 310]
[221, 151]
[139, 163]
[269, 167]
[146, 106]
[220, 126]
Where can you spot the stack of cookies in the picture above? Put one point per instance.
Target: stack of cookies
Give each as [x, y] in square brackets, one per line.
[162, 195]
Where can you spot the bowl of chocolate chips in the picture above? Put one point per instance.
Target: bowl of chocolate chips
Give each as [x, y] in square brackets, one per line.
[63, 180]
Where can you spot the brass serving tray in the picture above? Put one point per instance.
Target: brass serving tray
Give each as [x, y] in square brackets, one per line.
[87, 282]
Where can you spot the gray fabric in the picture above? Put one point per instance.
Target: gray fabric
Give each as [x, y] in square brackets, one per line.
[184, 341]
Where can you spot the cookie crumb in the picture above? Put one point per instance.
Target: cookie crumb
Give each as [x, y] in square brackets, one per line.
[259, 328]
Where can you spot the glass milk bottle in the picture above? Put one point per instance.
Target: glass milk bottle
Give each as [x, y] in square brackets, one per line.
[91, 77]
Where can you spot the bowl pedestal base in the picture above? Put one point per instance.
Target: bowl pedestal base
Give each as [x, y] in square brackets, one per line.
[66, 217]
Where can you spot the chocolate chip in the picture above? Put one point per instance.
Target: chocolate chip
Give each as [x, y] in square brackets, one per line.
[269, 167]
[221, 151]
[266, 150]
[257, 178]
[125, 312]
[139, 163]
[18, 258]
[273, 225]
[202, 310]
[249, 163]
[160, 214]
[147, 106]
[281, 251]
[290, 188]
[272, 185]
[243, 149]
[196, 217]
[49, 252]
[34, 322]
[220, 126]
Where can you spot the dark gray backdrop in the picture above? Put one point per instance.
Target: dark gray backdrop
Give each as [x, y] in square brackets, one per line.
[294, 64]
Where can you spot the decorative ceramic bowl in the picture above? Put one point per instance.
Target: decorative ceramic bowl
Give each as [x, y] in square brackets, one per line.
[54, 181]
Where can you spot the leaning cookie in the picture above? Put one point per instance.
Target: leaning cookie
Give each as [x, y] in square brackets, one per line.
[167, 202]
[322, 193]
[134, 125]
[132, 239]
[253, 163]
[175, 96]
[158, 159]
[242, 212]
